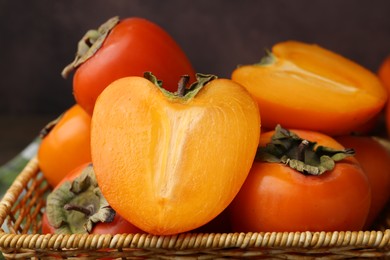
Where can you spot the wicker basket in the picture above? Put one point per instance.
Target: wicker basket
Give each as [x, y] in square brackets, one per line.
[21, 211]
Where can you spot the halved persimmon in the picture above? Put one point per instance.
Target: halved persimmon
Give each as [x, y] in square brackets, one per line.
[170, 163]
[305, 86]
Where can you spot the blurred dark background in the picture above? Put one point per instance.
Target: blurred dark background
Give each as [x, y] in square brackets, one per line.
[38, 38]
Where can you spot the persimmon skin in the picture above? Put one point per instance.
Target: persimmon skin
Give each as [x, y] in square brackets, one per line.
[66, 146]
[134, 45]
[169, 165]
[384, 72]
[374, 159]
[309, 87]
[384, 75]
[275, 198]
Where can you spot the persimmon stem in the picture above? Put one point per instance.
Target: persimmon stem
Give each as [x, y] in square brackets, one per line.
[46, 130]
[181, 86]
[302, 149]
[88, 210]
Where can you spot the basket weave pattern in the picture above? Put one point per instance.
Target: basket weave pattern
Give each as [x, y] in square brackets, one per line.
[20, 238]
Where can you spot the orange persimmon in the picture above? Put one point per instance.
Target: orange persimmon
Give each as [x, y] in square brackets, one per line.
[66, 145]
[302, 181]
[384, 72]
[374, 158]
[305, 86]
[384, 75]
[170, 163]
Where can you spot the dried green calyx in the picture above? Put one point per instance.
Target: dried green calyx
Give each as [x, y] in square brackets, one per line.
[90, 44]
[302, 155]
[75, 207]
[268, 59]
[183, 92]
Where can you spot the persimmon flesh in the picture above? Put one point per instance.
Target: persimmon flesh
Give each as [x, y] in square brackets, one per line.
[171, 164]
[305, 86]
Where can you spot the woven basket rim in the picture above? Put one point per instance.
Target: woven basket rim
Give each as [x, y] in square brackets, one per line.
[183, 241]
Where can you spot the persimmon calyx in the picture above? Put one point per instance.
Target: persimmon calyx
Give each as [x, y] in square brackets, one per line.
[183, 92]
[75, 207]
[299, 154]
[89, 44]
[268, 59]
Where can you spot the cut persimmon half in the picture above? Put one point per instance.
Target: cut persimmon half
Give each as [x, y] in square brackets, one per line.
[171, 162]
[305, 86]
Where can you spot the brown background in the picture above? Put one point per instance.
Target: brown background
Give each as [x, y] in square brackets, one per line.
[38, 38]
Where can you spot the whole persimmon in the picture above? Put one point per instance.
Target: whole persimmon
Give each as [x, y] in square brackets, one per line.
[374, 158]
[305, 86]
[302, 181]
[384, 75]
[76, 206]
[384, 72]
[66, 143]
[171, 162]
[121, 48]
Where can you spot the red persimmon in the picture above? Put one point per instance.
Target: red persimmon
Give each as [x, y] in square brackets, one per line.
[120, 48]
[276, 197]
[374, 158]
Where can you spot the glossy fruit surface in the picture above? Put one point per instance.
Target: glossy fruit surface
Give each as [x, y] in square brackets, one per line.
[170, 163]
[384, 72]
[131, 47]
[374, 158]
[66, 145]
[278, 198]
[384, 75]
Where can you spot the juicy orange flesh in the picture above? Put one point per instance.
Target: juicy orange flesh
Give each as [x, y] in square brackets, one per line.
[169, 166]
[327, 64]
[330, 92]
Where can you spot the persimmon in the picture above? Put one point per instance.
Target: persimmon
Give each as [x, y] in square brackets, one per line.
[305, 86]
[374, 158]
[65, 144]
[384, 72]
[120, 48]
[384, 75]
[170, 163]
[76, 201]
[302, 181]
